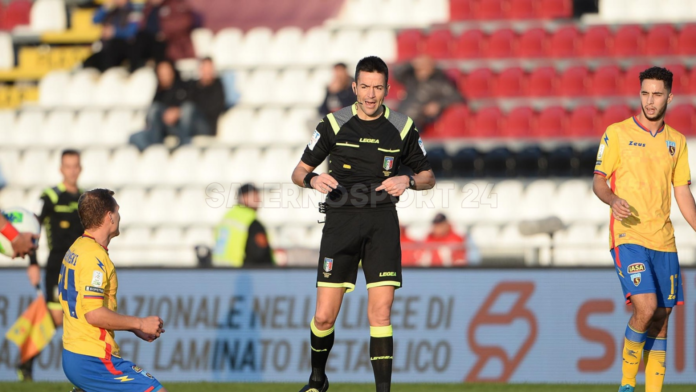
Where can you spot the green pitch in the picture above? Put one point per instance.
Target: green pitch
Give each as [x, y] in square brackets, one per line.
[234, 387]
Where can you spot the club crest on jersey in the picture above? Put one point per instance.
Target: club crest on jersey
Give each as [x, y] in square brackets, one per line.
[388, 163]
[328, 264]
[636, 279]
[672, 147]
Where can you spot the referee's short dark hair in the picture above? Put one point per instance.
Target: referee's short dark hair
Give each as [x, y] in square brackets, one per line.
[69, 151]
[658, 73]
[372, 64]
[93, 205]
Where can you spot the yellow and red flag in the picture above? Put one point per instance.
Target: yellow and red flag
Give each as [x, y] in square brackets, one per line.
[33, 330]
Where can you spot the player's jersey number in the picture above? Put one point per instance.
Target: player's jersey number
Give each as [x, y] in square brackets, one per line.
[673, 279]
[68, 294]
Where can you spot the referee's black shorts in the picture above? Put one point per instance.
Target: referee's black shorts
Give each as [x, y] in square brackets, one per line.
[370, 235]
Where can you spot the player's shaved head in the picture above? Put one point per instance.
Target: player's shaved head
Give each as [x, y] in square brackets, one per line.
[94, 205]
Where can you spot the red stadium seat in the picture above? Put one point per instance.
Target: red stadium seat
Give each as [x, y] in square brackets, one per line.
[396, 90]
[552, 9]
[532, 43]
[16, 14]
[596, 42]
[469, 45]
[510, 83]
[564, 42]
[409, 44]
[542, 82]
[452, 123]
[628, 41]
[606, 81]
[614, 114]
[583, 122]
[519, 122]
[460, 10]
[630, 86]
[661, 41]
[477, 84]
[686, 42]
[501, 44]
[680, 79]
[552, 121]
[486, 123]
[520, 9]
[437, 44]
[488, 9]
[574, 81]
[681, 118]
[690, 83]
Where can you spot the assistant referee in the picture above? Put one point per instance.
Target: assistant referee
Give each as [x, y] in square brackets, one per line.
[367, 143]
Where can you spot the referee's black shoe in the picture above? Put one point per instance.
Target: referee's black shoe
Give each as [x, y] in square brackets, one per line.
[323, 388]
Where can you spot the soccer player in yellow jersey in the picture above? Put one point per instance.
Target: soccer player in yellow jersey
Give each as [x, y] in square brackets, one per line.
[643, 158]
[87, 292]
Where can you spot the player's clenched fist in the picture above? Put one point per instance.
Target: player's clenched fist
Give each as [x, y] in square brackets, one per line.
[145, 336]
[152, 325]
[620, 208]
[395, 186]
[324, 183]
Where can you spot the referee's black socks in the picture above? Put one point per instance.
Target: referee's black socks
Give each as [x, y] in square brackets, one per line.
[321, 342]
[382, 356]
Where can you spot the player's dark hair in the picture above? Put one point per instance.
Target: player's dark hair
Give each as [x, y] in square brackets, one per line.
[69, 151]
[658, 73]
[93, 205]
[341, 65]
[372, 64]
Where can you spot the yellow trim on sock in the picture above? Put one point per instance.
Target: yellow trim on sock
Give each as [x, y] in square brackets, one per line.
[345, 285]
[384, 283]
[632, 329]
[381, 332]
[318, 332]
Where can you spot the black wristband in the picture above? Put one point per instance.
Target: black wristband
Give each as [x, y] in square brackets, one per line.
[308, 179]
[411, 183]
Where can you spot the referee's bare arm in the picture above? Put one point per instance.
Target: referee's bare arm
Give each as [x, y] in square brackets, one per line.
[324, 183]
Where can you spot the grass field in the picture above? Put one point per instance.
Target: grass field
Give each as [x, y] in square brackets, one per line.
[234, 387]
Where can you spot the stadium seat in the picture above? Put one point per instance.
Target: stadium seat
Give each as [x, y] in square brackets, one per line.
[203, 42]
[110, 88]
[12, 196]
[81, 90]
[488, 9]
[564, 42]
[123, 165]
[583, 122]
[630, 85]
[533, 43]
[437, 44]
[56, 129]
[116, 128]
[7, 119]
[16, 14]
[198, 236]
[290, 82]
[510, 83]
[131, 246]
[342, 47]
[552, 121]
[273, 159]
[283, 46]
[409, 44]
[87, 129]
[297, 127]
[614, 114]
[520, 9]
[686, 42]
[460, 10]
[9, 157]
[167, 249]
[141, 88]
[259, 88]
[554, 9]
[501, 44]
[149, 166]
[628, 41]
[542, 82]
[680, 79]
[253, 50]
[95, 162]
[428, 12]
[486, 123]
[606, 81]
[158, 206]
[182, 166]
[265, 127]
[681, 118]
[26, 129]
[234, 126]
[561, 161]
[519, 123]
[226, 47]
[508, 194]
[382, 41]
[48, 15]
[469, 45]
[194, 198]
[570, 196]
[578, 245]
[212, 168]
[574, 81]
[240, 159]
[452, 123]
[313, 46]
[7, 60]
[596, 42]
[538, 197]
[465, 163]
[661, 41]
[527, 162]
[52, 88]
[477, 84]
[31, 170]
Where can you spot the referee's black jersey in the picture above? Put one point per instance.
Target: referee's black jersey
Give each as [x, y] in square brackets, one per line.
[362, 154]
[60, 221]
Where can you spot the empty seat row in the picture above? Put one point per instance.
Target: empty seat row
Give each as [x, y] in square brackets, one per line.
[38, 16]
[553, 121]
[290, 87]
[565, 42]
[640, 11]
[509, 9]
[573, 81]
[393, 13]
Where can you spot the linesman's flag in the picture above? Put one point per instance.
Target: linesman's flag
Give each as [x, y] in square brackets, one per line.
[33, 330]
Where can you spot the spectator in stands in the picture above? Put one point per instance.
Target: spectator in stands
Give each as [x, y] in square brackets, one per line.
[339, 93]
[208, 96]
[240, 239]
[119, 28]
[410, 249]
[165, 31]
[428, 91]
[445, 247]
[149, 43]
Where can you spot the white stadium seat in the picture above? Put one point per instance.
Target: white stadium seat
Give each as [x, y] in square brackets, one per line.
[7, 119]
[275, 166]
[151, 167]
[259, 87]
[266, 127]
[235, 126]
[213, 166]
[14, 197]
[203, 40]
[290, 88]
[398, 13]
[81, 90]
[313, 47]
[141, 88]
[507, 195]
[95, 162]
[158, 207]
[116, 128]
[537, 200]
[244, 165]
[580, 245]
[344, 47]
[52, 88]
[198, 236]
[354, 12]
[379, 42]
[182, 167]
[471, 202]
[254, 48]
[569, 197]
[283, 48]
[226, 47]
[167, 248]
[32, 170]
[123, 166]
[48, 15]
[6, 52]
[298, 126]
[190, 206]
[56, 129]
[87, 129]
[131, 202]
[111, 88]
[316, 86]
[429, 12]
[9, 161]
[130, 247]
[26, 129]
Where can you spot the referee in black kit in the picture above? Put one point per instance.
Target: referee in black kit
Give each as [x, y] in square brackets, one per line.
[367, 143]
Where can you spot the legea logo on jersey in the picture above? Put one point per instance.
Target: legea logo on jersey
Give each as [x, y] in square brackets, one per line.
[672, 147]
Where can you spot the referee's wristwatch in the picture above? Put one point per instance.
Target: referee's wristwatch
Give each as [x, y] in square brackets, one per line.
[411, 182]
